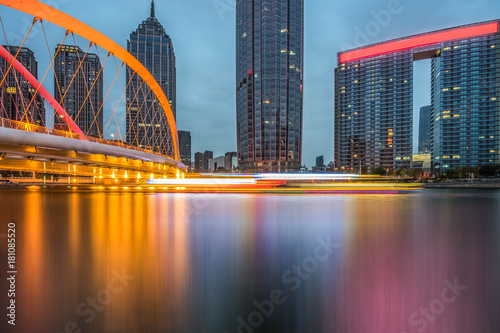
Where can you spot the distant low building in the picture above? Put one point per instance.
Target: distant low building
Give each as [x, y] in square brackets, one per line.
[218, 162]
[230, 161]
[320, 161]
[198, 162]
[207, 155]
[422, 161]
[185, 147]
[320, 164]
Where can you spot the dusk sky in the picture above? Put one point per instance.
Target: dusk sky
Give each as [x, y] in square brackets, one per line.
[203, 34]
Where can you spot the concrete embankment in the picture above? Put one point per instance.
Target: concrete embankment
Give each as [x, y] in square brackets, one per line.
[465, 185]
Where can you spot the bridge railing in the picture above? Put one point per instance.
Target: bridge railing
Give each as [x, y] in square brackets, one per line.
[19, 125]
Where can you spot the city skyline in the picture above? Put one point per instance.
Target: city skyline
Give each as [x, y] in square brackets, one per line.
[202, 106]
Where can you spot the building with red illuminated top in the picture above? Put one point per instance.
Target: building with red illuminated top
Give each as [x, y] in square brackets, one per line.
[374, 100]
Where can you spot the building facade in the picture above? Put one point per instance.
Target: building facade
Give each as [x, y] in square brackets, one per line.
[218, 163]
[374, 100]
[19, 101]
[198, 162]
[78, 87]
[185, 147]
[207, 156]
[269, 82]
[147, 124]
[320, 161]
[424, 130]
[230, 161]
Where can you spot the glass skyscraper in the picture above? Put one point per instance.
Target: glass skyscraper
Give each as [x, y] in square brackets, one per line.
[374, 100]
[269, 82]
[424, 130]
[82, 89]
[147, 124]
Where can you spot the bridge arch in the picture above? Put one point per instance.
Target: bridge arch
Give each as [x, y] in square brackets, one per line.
[50, 14]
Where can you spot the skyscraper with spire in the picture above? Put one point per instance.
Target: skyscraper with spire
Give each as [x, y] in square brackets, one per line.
[147, 126]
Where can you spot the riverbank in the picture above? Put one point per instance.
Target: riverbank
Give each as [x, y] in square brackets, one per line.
[481, 184]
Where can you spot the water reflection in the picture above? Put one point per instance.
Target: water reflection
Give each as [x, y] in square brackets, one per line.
[254, 263]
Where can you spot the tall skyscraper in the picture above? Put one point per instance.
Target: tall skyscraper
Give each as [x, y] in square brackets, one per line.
[185, 147]
[269, 74]
[79, 89]
[147, 126]
[17, 93]
[424, 130]
[374, 100]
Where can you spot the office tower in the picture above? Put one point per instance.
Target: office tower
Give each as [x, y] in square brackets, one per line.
[230, 161]
[207, 155]
[78, 87]
[198, 162]
[424, 130]
[147, 124]
[374, 100]
[17, 93]
[185, 147]
[269, 73]
[320, 161]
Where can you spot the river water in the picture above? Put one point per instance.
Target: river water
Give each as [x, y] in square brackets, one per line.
[216, 263]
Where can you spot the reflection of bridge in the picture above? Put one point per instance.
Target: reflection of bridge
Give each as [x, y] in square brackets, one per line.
[70, 149]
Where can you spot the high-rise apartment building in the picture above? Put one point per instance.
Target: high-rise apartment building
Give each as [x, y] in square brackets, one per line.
[78, 87]
[269, 79]
[17, 93]
[147, 124]
[374, 100]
